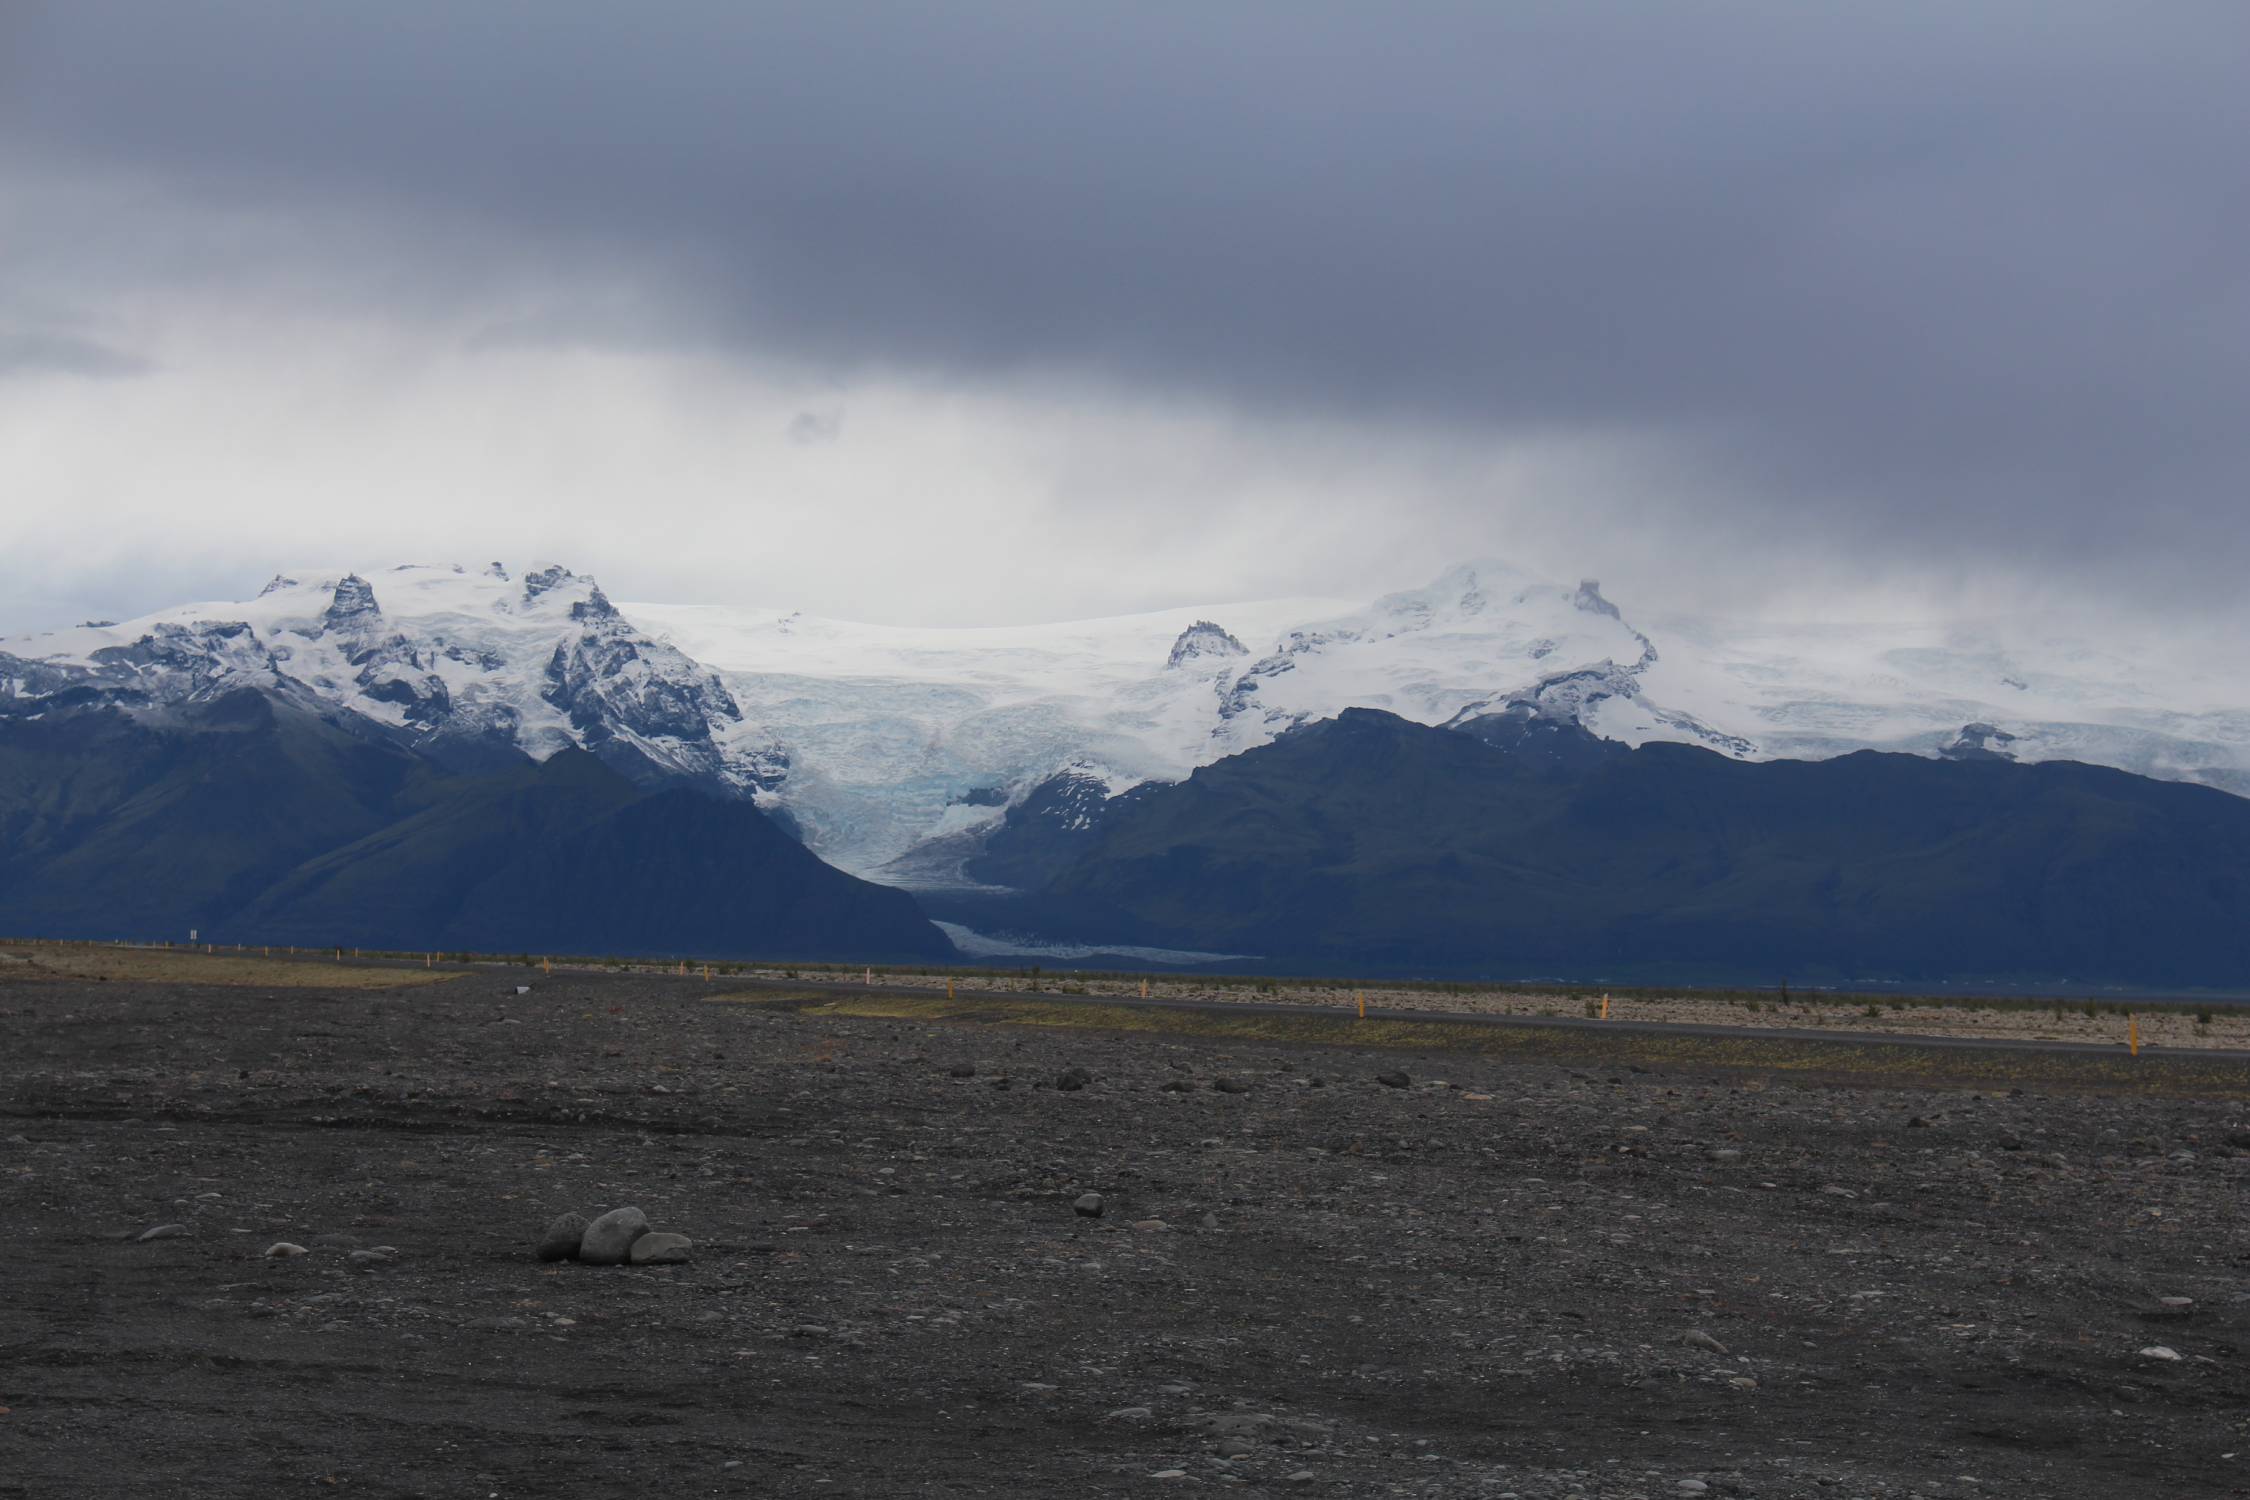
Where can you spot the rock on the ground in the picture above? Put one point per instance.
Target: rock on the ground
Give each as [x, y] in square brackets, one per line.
[160, 1232]
[608, 1241]
[563, 1237]
[1393, 1079]
[1088, 1206]
[284, 1250]
[661, 1249]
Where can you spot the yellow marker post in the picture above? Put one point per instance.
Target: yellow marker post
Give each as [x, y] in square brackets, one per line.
[1362, 996]
[1144, 989]
[706, 973]
[1605, 1007]
[2133, 1034]
[546, 966]
[949, 989]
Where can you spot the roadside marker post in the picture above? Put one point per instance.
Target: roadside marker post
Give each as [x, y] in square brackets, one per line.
[1605, 1007]
[1144, 989]
[868, 977]
[949, 989]
[2132, 1034]
[1362, 997]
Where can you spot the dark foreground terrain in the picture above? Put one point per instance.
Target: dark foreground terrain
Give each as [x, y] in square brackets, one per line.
[1610, 1273]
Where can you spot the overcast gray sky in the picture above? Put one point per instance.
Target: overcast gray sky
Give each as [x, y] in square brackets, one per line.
[1015, 311]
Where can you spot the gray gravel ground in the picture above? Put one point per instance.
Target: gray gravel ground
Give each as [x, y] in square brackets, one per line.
[1600, 1282]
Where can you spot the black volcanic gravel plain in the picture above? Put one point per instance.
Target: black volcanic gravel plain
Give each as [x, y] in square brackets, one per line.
[1492, 1277]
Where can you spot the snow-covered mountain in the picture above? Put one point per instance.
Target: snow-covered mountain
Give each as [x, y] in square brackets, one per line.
[897, 751]
[907, 745]
[463, 664]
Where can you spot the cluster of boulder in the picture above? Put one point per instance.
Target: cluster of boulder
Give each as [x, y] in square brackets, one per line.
[620, 1237]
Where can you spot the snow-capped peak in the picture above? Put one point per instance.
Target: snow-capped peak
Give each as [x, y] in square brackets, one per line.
[1202, 644]
[463, 663]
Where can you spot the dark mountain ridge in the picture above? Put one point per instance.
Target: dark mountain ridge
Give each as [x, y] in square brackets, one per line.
[1518, 845]
[252, 817]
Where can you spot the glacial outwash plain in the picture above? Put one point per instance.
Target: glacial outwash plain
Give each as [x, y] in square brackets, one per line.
[1043, 1238]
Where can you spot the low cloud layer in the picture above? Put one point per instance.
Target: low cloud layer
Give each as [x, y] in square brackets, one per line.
[1744, 306]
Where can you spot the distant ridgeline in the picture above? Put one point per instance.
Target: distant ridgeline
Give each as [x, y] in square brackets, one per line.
[254, 818]
[1517, 845]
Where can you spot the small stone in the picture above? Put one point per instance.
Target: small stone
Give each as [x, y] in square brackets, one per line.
[1302, 1476]
[661, 1249]
[1131, 1414]
[1236, 1448]
[1230, 1086]
[608, 1241]
[1070, 1080]
[283, 1250]
[562, 1238]
[2160, 1351]
[1723, 1154]
[160, 1232]
[1087, 1206]
[1696, 1338]
[1150, 1226]
[2177, 1301]
[1169, 1474]
[1178, 1086]
[962, 1070]
[1692, 1487]
[368, 1260]
[1394, 1080]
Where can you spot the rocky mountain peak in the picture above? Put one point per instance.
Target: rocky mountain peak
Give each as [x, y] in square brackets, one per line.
[353, 606]
[1980, 741]
[1589, 598]
[1202, 642]
[540, 580]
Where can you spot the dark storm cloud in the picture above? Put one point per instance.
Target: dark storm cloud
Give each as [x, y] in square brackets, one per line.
[1930, 278]
[28, 354]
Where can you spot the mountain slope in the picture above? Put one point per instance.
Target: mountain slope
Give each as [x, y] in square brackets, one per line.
[1369, 842]
[570, 856]
[258, 817]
